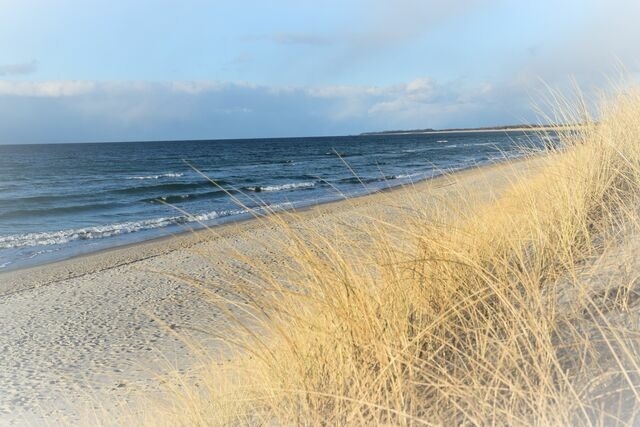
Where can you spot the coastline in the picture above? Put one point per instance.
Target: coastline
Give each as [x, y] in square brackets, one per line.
[103, 325]
[74, 265]
[134, 203]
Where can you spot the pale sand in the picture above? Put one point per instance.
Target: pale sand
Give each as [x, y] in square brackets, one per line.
[100, 327]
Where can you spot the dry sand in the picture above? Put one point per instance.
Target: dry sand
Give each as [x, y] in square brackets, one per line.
[96, 329]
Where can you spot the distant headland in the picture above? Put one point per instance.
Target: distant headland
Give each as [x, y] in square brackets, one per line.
[507, 128]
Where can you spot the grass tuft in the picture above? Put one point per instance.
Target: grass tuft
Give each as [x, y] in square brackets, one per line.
[516, 309]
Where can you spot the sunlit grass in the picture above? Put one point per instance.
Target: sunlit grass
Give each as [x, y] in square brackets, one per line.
[514, 309]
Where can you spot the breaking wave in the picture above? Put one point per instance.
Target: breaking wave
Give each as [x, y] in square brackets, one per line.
[283, 187]
[102, 231]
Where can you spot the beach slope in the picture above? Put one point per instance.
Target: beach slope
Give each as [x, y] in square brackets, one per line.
[95, 330]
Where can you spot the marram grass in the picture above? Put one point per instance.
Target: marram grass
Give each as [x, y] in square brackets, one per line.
[517, 310]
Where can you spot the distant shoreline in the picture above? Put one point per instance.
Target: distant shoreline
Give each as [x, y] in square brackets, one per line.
[523, 128]
[514, 128]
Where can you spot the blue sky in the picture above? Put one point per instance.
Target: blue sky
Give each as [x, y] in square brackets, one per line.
[93, 70]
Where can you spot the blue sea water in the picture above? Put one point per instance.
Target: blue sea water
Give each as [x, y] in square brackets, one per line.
[60, 200]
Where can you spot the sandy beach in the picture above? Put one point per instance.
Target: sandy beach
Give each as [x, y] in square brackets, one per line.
[97, 329]
[403, 213]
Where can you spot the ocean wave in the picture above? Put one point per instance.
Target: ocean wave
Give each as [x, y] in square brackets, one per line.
[371, 180]
[175, 198]
[164, 175]
[431, 148]
[407, 175]
[59, 210]
[44, 199]
[341, 154]
[283, 187]
[442, 140]
[8, 187]
[102, 231]
[169, 187]
[42, 252]
[363, 180]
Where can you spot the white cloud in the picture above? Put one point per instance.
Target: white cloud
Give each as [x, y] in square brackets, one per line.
[195, 87]
[95, 110]
[345, 91]
[392, 98]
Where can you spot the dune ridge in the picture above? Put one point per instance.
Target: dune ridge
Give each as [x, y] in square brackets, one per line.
[518, 308]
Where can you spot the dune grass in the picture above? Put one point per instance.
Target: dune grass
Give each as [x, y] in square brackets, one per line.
[516, 310]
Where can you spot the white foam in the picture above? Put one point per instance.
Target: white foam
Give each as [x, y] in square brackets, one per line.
[164, 175]
[283, 187]
[102, 231]
[406, 175]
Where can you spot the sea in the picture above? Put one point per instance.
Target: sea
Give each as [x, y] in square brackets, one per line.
[62, 200]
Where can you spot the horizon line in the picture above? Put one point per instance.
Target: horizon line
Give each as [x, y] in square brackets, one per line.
[426, 131]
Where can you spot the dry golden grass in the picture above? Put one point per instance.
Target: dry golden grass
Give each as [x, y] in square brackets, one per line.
[508, 311]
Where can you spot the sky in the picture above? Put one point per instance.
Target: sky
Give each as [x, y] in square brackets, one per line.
[122, 70]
